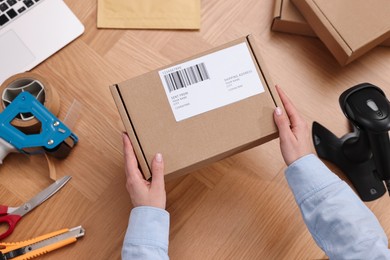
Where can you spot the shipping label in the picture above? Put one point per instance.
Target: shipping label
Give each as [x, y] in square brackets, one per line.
[211, 81]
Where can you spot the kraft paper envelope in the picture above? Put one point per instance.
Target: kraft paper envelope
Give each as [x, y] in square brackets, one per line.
[149, 14]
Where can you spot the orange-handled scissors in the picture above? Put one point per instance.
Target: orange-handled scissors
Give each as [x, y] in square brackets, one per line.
[11, 216]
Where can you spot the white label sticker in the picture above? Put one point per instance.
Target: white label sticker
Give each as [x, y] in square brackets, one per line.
[212, 81]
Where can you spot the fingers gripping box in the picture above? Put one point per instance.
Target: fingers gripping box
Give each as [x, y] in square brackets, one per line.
[199, 110]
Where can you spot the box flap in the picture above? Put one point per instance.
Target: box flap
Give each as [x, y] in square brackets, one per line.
[130, 131]
[357, 21]
[349, 28]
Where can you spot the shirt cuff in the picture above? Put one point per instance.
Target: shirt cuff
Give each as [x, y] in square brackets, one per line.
[307, 176]
[148, 226]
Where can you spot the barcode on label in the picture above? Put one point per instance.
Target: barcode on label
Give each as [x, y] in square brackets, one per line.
[186, 77]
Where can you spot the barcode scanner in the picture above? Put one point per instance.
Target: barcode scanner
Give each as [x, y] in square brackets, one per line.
[364, 154]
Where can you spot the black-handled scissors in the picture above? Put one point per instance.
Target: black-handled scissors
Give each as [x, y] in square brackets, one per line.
[11, 216]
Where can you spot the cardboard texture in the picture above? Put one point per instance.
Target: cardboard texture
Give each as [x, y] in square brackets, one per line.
[288, 19]
[199, 140]
[149, 14]
[348, 28]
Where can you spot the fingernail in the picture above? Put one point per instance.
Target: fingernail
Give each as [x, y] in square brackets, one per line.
[159, 157]
[278, 111]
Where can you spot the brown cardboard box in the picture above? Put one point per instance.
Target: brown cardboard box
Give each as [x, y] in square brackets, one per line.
[349, 28]
[148, 105]
[288, 19]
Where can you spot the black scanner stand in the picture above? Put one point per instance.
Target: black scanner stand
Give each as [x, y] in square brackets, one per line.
[364, 154]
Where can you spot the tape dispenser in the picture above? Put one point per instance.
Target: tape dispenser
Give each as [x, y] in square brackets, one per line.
[52, 136]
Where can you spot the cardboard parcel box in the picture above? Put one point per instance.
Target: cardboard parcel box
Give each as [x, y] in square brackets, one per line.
[349, 28]
[199, 110]
[288, 19]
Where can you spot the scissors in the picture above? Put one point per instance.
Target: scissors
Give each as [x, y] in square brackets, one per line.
[11, 216]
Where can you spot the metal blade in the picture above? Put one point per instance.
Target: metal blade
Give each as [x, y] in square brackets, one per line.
[42, 196]
[73, 232]
[63, 149]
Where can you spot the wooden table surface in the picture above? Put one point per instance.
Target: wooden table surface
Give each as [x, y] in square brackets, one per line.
[238, 208]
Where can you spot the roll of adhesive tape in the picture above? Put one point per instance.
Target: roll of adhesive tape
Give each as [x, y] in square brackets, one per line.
[38, 87]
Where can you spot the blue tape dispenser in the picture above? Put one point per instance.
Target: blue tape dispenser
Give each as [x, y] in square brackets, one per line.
[54, 138]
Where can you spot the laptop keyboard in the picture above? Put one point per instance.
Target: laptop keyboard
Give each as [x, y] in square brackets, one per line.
[11, 9]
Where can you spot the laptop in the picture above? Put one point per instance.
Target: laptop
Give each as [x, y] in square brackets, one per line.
[33, 30]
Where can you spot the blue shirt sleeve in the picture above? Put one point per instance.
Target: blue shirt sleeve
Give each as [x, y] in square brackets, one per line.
[338, 220]
[147, 234]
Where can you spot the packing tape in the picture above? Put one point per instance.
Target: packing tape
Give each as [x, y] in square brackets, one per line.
[70, 120]
[52, 168]
[43, 91]
[37, 86]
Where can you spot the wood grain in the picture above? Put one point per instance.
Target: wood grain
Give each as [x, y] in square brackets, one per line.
[238, 208]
